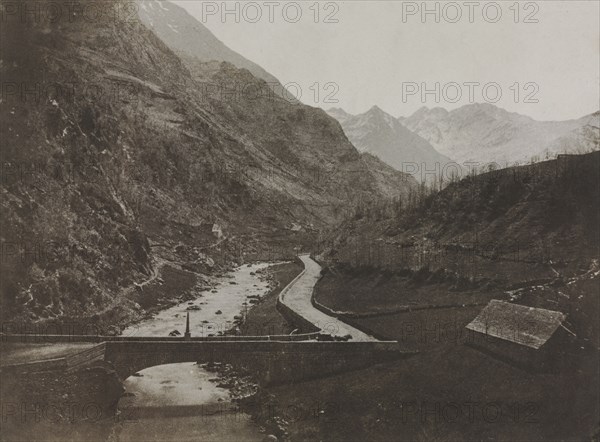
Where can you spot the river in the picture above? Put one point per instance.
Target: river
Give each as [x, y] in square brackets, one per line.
[182, 401]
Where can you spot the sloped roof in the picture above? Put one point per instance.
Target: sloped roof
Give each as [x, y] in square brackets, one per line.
[528, 326]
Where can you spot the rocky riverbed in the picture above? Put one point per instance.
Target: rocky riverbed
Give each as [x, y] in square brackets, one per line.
[190, 401]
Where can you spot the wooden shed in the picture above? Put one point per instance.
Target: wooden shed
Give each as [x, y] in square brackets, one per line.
[528, 336]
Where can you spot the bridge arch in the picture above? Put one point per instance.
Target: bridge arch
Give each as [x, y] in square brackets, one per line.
[276, 362]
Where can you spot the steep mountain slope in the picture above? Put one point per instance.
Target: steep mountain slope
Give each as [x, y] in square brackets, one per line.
[513, 224]
[584, 138]
[529, 234]
[389, 180]
[120, 163]
[183, 33]
[380, 134]
[484, 134]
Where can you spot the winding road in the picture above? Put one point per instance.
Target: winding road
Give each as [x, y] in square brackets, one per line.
[298, 294]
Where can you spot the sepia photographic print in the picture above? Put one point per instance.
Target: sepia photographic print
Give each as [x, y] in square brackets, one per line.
[337, 221]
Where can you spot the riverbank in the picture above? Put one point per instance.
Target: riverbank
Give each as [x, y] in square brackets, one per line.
[262, 317]
[60, 406]
[213, 310]
[193, 401]
[94, 392]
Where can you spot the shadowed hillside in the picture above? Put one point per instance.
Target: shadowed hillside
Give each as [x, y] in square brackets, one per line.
[119, 163]
[529, 234]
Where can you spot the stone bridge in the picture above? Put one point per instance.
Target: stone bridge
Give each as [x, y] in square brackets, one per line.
[276, 361]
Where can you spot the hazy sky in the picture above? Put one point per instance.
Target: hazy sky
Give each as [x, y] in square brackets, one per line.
[385, 52]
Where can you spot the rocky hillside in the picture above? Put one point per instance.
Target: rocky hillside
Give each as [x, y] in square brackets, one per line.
[484, 134]
[389, 180]
[516, 224]
[380, 134]
[183, 33]
[119, 163]
[528, 234]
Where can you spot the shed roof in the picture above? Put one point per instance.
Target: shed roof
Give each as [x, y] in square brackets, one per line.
[528, 326]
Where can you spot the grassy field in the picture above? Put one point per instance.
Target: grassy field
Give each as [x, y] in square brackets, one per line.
[422, 329]
[374, 291]
[449, 391]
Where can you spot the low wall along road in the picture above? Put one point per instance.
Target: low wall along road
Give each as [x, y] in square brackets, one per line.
[297, 299]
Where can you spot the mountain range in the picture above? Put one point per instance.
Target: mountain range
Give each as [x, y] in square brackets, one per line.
[484, 134]
[380, 134]
[117, 179]
[473, 138]
[134, 143]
